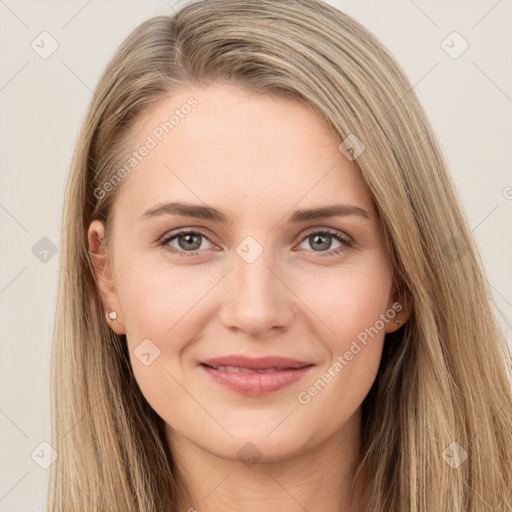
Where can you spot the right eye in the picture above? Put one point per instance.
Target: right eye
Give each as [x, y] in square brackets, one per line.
[189, 242]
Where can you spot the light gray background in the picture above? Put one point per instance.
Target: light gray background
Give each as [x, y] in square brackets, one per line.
[43, 101]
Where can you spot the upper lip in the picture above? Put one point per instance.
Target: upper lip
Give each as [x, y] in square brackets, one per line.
[255, 363]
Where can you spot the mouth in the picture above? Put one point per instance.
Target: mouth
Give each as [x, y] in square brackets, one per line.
[239, 369]
[242, 362]
[256, 381]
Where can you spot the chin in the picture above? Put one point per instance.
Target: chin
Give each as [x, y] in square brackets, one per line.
[251, 446]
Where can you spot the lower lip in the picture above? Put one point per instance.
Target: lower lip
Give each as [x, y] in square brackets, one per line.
[257, 384]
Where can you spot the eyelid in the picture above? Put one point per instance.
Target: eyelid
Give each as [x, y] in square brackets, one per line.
[313, 229]
[324, 229]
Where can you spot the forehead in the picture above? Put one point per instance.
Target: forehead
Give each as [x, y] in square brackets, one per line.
[228, 146]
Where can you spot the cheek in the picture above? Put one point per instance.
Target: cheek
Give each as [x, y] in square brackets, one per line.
[164, 311]
[160, 322]
[348, 310]
[348, 300]
[158, 301]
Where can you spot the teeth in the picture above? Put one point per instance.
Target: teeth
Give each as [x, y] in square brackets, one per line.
[236, 369]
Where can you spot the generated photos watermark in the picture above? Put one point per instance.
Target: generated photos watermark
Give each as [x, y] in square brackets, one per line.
[157, 135]
[342, 360]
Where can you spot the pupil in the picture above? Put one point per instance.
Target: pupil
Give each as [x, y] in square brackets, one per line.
[318, 237]
[186, 238]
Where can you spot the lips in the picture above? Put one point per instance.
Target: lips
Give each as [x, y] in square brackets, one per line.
[255, 376]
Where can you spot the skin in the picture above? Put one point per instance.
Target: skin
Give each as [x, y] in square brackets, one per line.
[257, 158]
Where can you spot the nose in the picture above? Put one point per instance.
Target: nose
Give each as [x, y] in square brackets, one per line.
[257, 300]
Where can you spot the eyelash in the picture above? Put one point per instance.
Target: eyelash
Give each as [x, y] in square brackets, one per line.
[347, 243]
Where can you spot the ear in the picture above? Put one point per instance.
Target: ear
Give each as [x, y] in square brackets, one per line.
[102, 266]
[397, 303]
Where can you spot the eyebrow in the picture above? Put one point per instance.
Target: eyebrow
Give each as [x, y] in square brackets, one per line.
[210, 213]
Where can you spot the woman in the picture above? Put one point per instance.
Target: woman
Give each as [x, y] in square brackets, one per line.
[208, 353]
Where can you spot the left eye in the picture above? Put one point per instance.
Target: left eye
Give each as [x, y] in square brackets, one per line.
[322, 240]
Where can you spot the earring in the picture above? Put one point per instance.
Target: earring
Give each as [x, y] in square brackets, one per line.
[399, 321]
[112, 315]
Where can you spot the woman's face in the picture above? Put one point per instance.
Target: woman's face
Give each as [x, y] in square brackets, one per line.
[267, 280]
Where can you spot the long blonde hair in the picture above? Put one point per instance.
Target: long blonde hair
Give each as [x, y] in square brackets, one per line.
[445, 377]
